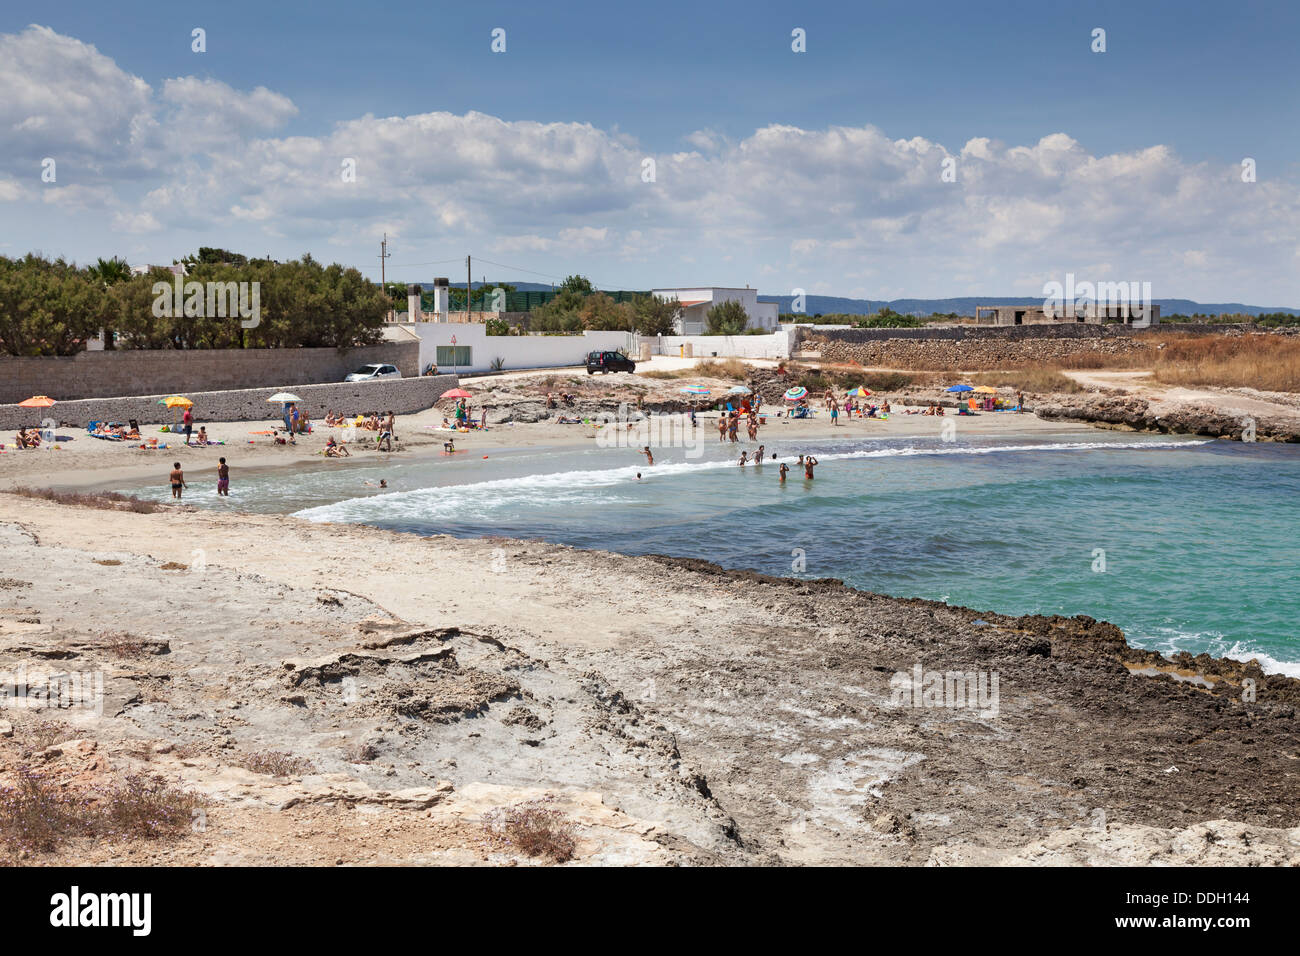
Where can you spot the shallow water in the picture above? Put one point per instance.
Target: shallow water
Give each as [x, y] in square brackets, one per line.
[1185, 544]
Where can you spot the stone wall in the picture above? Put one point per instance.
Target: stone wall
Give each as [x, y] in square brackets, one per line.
[402, 395]
[184, 371]
[977, 348]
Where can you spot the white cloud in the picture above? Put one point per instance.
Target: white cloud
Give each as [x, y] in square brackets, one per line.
[782, 202]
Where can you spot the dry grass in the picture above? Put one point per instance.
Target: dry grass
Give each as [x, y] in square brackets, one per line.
[1028, 380]
[121, 644]
[273, 762]
[38, 815]
[34, 734]
[843, 377]
[103, 500]
[730, 369]
[534, 828]
[1267, 362]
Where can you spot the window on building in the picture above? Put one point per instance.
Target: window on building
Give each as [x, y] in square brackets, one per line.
[454, 355]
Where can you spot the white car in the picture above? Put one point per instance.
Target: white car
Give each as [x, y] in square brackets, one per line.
[368, 373]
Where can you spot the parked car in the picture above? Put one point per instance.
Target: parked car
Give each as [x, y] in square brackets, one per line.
[368, 373]
[606, 362]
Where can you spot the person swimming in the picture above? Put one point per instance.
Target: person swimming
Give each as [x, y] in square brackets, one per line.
[785, 470]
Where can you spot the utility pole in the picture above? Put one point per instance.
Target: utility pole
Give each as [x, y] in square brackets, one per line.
[467, 288]
[383, 254]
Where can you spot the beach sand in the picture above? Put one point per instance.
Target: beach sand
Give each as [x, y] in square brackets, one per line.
[90, 463]
[667, 710]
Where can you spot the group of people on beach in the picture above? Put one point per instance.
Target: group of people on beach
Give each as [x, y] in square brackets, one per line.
[28, 438]
[729, 424]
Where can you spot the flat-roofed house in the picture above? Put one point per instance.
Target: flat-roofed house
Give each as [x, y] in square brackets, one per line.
[697, 300]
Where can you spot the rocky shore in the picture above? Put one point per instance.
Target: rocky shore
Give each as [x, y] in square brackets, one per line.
[1139, 414]
[669, 711]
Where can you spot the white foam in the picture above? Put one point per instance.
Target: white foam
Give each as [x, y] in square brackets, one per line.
[559, 487]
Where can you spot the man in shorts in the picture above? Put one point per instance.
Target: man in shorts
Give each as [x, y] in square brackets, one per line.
[177, 480]
[223, 478]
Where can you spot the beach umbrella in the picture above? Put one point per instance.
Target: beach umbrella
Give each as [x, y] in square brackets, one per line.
[861, 391]
[959, 388]
[795, 394]
[284, 398]
[987, 390]
[696, 390]
[176, 401]
[739, 390]
[38, 401]
[455, 393]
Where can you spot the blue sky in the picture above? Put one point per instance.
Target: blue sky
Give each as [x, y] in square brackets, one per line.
[818, 170]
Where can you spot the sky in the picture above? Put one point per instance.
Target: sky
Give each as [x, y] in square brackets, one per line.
[909, 150]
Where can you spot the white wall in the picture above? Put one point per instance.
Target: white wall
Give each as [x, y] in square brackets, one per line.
[519, 351]
[774, 346]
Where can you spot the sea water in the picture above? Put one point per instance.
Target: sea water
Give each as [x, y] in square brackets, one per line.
[1185, 544]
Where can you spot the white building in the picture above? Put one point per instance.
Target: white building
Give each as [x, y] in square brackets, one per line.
[697, 301]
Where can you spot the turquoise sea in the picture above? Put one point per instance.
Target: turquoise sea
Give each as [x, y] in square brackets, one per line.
[1185, 544]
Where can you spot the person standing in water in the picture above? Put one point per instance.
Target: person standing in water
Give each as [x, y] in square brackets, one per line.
[223, 478]
[758, 458]
[178, 480]
[808, 465]
[649, 457]
[785, 470]
[744, 457]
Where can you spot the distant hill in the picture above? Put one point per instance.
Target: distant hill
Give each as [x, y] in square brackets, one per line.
[830, 304]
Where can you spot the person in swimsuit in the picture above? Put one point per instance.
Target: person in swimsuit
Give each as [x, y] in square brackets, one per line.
[808, 465]
[223, 478]
[785, 470]
[649, 458]
[177, 480]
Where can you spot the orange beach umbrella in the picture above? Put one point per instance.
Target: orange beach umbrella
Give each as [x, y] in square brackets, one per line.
[37, 401]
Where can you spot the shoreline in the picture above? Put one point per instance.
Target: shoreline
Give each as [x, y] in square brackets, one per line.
[97, 465]
[706, 736]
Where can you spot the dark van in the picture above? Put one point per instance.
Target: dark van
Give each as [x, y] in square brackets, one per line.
[607, 362]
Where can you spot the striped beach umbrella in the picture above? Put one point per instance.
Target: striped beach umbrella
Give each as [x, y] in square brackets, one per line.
[796, 393]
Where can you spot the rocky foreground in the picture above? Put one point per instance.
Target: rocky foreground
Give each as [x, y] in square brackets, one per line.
[348, 695]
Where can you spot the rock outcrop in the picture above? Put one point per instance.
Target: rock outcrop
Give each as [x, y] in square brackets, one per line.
[1142, 415]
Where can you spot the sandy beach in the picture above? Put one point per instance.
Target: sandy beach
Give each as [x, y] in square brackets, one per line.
[345, 694]
[88, 463]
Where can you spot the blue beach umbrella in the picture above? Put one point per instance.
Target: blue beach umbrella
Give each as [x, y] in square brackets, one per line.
[695, 390]
[739, 390]
[959, 388]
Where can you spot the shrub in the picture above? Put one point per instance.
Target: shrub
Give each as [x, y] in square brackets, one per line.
[535, 829]
[103, 500]
[273, 762]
